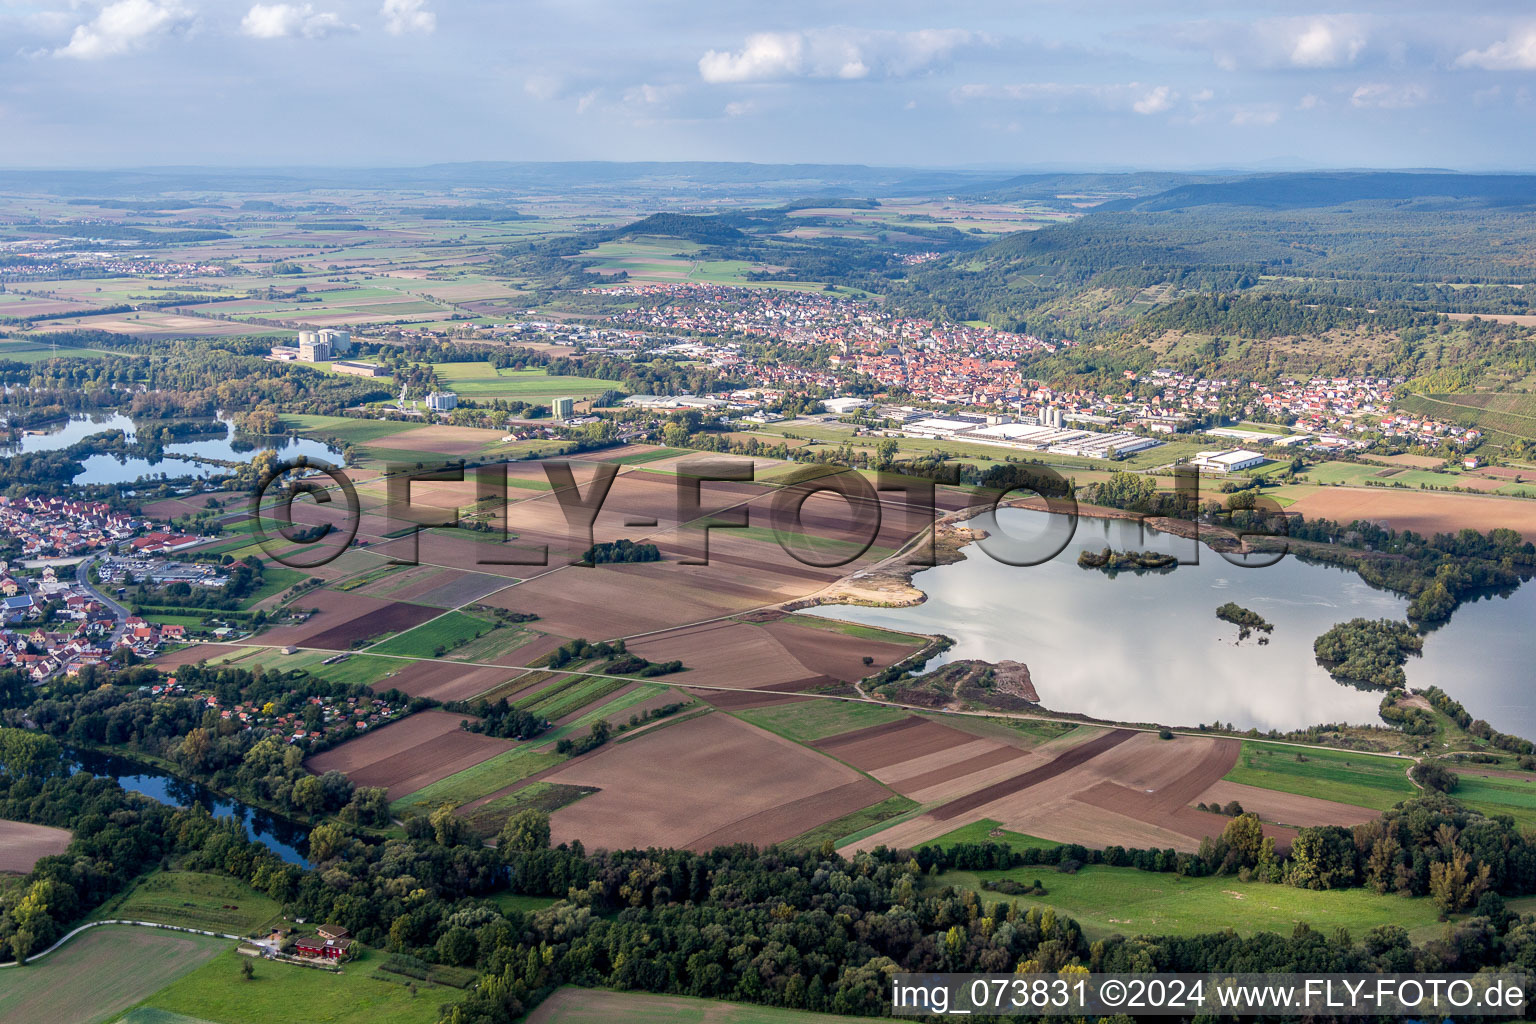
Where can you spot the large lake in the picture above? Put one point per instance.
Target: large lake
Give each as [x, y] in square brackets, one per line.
[181, 459]
[1149, 648]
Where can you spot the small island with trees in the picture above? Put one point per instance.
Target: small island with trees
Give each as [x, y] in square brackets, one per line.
[1112, 562]
[1246, 620]
[1368, 652]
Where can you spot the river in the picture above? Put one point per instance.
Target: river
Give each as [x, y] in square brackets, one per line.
[288, 839]
[1150, 649]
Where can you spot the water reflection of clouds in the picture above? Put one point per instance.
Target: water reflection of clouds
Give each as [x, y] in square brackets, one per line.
[1145, 648]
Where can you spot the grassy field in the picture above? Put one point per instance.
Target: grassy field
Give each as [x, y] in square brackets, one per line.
[1496, 795]
[101, 973]
[599, 1006]
[274, 580]
[194, 899]
[216, 993]
[982, 832]
[1346, 776]
[573, 697]
[854, 826]
[506, 901]
[359, 668]
[484, 380]
[486, 777]
[447, 631]
[805, 723]
[1107, 900]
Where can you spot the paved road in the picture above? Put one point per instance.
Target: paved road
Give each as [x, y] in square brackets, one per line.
[82, 575]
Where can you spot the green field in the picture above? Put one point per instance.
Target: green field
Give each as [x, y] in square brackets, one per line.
[195, 899]
[1366, 780]
[447, 631]
[506, 901]
[981, 832]
[806, 723]
[217, 993]
[1497, 794]
[484, 380]
[854, 826]
[474, 782]
[274, 580]
[345, 428]
[359, 668]
[1107, 900]
[571, 695]
[99, 974]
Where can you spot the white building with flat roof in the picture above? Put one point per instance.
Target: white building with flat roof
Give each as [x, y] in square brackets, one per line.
[1230, 461]
[844, 406]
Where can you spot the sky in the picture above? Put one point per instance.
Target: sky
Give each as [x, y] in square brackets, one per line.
[1017, 84]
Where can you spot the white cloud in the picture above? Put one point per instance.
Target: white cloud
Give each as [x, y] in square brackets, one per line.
[1311, 101]
[1517, 53]
[738, 108]
[407, 17]
[1327, 42]
[1385, 96]
[284, 21]
[1055, 96]
[123, 27]
[1316, 41]
[1154, 102]
[832, 53]
[1203, 96]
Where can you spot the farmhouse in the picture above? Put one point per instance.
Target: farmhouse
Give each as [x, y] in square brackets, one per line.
[330, 942]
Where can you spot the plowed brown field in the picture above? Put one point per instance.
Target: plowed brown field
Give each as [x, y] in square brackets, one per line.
[705, 782]
[405, 756]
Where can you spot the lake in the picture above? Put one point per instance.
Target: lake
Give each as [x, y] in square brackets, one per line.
[1149, 648]
[289, 840]
[181, 459]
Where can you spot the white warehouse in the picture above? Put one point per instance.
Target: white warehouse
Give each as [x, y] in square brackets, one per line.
[1229, 461]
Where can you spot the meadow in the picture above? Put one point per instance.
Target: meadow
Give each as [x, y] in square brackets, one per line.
[485, 381]
[195, 899]
[435, 638]
[1343, 775]
[217, 993]
[1106, 901]
[97, 975]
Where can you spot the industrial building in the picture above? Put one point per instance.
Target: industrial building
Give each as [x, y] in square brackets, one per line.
[359, 369]
[442, 401]
[844, 406]
[563, 408]
[312, 349]
[340, 341]
[1085, 444]
[1230, 461]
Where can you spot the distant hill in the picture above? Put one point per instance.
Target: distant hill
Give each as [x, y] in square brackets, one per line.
[1316, 190]
[690, 228]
